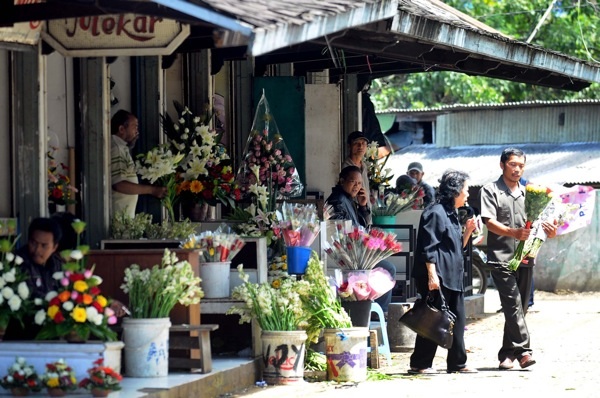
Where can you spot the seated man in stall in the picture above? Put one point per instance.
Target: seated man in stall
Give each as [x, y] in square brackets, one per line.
[40, 261]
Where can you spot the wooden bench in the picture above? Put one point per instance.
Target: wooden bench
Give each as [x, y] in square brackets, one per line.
[196, 345]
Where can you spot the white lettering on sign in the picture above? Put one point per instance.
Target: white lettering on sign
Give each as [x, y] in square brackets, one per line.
[139, 28]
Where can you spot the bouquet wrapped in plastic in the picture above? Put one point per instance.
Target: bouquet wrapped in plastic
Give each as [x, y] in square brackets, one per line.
[537, 198]
[299, 224]
[359, 249]
[266, 163]
[218, 246]
[359, 285]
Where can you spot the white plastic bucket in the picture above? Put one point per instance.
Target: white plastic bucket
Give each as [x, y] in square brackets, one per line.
[146, 347]
[283, 356]
[346, 352]
[215, 279]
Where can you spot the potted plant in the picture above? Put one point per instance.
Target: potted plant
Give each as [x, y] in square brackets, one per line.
[77, 309]
[280, 313]
[385, 209]
[101, 380]
[59, 378]
[15, 299]
[152, 295]
[21, 379]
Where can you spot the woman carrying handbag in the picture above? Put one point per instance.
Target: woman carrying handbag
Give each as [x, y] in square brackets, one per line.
[438, 270]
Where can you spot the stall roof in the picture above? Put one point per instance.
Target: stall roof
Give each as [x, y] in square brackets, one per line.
[570, 163]
[371, 38]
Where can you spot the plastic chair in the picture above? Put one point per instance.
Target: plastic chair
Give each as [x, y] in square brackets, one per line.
[384, 346]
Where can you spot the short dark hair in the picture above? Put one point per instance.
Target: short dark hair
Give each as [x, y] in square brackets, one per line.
[346, 171]
[45, 225]
[508, 152]
[451, 184]
[119, 119]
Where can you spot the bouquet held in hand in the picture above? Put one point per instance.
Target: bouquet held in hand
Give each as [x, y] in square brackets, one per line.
[537, 198]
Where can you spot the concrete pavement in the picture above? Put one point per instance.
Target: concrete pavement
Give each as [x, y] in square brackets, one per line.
[564, 332]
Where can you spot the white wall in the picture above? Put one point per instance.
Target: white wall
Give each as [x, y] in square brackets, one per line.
[120, 73]
[5, 169]
[323, 137]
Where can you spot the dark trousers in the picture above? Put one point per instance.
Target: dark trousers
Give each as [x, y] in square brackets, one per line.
[425, 349]
[514, 289]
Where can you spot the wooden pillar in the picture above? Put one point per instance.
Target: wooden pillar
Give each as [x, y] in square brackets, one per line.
[94, 134]
[30, 184]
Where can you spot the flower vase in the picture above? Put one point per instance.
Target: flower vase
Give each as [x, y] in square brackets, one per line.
[56, 392]
[359, 312]
[19, 392]
[73, 337]
[100, 392]
[283, 356]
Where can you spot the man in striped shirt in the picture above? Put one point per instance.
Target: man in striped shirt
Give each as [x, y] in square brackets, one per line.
[124, 180]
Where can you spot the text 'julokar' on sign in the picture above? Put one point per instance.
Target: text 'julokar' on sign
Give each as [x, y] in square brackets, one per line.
[114, 35]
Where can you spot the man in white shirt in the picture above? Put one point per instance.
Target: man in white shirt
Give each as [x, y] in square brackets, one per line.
[124, 180]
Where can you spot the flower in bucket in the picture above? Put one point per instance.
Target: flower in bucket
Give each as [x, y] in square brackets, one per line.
[359, 249]
[395, 203]
[15, 296]
[60, 190]
[218, 246]
[537, 198]
[78, 306]
[299, 224]
[206, 170]
[59, 375]
[274, 308]
[21, 375]
[379, 175]
[101, 377]
[154, 292]
[159, 165]
[360, 285]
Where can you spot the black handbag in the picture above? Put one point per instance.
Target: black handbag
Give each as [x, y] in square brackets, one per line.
[430, 322]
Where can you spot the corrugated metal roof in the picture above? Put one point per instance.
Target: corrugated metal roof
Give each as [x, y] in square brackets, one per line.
[572, 163]
[493, 105]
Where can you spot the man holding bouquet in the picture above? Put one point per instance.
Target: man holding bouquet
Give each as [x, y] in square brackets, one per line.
[503, 212]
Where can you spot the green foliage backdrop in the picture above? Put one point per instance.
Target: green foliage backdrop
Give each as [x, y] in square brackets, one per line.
[571, 28]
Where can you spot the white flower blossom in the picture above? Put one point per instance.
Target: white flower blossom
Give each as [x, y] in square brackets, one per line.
[15, 302]
[23, 290]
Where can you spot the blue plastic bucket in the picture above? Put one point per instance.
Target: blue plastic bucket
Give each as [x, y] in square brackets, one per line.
[297, 259]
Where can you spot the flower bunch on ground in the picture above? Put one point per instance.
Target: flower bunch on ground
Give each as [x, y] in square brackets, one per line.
[274, 308]
[206, 173]
[59, 375]
[160, 165]
[537, 198]
[60, 189]
[101, 377]
[154, 292]
[15, 297]
[21, 375]
[358, 248]
[379, 175]
[78, 305]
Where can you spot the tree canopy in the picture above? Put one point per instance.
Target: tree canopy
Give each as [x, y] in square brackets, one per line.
[571, 28]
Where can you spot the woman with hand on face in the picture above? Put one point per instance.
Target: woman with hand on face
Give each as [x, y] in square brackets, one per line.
[439, 268]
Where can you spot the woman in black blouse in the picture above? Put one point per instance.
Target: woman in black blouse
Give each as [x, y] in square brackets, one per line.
[439, 268]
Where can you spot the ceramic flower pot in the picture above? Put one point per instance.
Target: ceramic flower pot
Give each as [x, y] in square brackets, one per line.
[100, 392]
[19, 392]
[56, 392]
